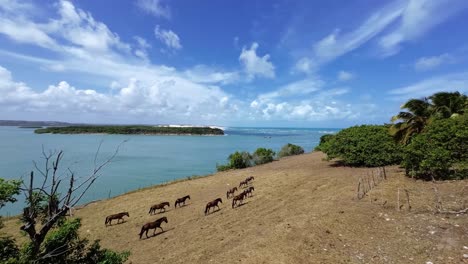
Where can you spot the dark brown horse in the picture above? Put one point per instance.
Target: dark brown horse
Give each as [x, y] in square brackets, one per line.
[181, 201]
[160, 207]
[238, 198]
[231, 192]
[248, 191]
[118, 216]
[249, 179]
[152, 225]
[212, 204]
[243, 183]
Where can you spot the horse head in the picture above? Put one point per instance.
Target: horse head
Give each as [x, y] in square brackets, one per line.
[219, 200]
[127, 214]
[164, 219]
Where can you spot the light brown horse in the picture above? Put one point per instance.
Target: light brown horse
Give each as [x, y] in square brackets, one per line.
[248, 191]
[160, 207]
[238, 198]
[231, 192]
[152, 225]
[118, 216]
[212, 204]
[181, 201]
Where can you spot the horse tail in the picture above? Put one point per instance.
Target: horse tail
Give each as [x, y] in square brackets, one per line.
[206, 209]
[233, 202]
[107, 219]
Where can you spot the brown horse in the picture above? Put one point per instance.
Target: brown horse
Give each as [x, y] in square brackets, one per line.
[238, 198]
[181, 201]
[118, 216]
[243, 184]
[212, 204]
[231, 192]
[160, 207]
[248, 191]
[249, 179]
[152, 225]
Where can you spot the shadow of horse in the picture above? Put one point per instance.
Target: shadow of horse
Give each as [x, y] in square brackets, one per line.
[242, 204]
[160, 233]
[214, 211]
[183, 205]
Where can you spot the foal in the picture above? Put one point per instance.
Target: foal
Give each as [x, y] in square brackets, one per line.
[118, 216]
[212, 204]
[231, 192]
[152, 225]
[180, 201]
[238, 198]
[160, 207]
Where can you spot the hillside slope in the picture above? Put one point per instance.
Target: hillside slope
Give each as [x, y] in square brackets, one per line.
[304, 210]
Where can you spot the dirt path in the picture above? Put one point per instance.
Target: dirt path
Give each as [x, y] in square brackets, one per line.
[303, 210]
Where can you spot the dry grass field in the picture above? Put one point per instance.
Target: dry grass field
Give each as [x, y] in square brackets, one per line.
[304, 210]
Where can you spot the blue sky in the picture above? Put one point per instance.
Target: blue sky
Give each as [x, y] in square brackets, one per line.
[230, 63]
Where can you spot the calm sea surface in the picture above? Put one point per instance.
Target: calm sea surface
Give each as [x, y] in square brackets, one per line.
[142, 160]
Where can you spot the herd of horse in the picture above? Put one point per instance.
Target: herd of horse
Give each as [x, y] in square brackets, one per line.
[237, 200]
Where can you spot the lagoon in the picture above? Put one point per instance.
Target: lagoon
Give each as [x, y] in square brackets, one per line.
[142, 160]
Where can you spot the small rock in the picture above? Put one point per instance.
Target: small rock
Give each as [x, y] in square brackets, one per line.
[431, 232]
[465, 247]
[429, 262]
[465, 256]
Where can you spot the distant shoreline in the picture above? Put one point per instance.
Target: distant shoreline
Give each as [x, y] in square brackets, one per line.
[133, 130]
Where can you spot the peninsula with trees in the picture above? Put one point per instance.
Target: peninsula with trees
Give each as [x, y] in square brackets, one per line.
[132, 130]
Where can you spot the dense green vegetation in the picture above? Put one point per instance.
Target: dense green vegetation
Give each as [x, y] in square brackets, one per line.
[290, 150]
[366, 145]
[240, 160]
[429, 139]
[262, 156]
[148, 130]
[440, 152]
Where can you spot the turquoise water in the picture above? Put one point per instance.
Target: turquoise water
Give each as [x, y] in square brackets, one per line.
[142, 160]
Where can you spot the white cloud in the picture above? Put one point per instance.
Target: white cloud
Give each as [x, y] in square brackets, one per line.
[168, 37]
[205, 74]
[294, 89]
[154, 7]
[417, 18]
[255, 65]
[448, 82]
[142, 48]
[336, 44]
[345, 76]
[429, 63]
[304, 65]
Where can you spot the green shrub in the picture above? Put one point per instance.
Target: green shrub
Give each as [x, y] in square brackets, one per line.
[262, 156]
[323, 141]
[366, 145]
[440, 152]
[290, 150]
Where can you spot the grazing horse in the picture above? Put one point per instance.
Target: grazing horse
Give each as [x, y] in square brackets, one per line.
[152, 225]
[118, 216]
[181, 201]
[249, 179]
[248, 191]
[243, 183]
[231, 192]
[160, 207]
[212, 204]
[238, 198]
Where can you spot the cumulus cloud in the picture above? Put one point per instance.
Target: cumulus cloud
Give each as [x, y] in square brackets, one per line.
[155, 8]
[345, 76]
[429, 63]
[168, 37]
[254, 65]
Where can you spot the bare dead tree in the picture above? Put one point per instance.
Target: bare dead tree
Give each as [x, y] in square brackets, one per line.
[47, 193]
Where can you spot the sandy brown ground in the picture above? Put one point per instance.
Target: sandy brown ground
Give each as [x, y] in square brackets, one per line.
[304, 210]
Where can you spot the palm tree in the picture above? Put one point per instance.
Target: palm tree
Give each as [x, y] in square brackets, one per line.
[446, 105]
[413, 121]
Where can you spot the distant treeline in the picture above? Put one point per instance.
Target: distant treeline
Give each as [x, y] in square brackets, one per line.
[130, 130]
